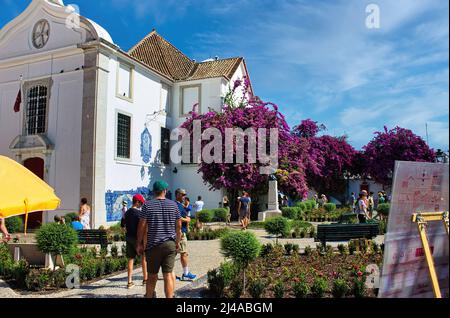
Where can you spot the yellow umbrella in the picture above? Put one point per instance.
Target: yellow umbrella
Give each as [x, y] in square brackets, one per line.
[22, 192]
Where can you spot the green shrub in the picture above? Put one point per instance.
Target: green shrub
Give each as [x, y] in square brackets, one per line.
[6, 261]
[116, 228]
[351, 247]
[20, 271]
[58, 278]
[216, 284]
[383, 208]
[343, 249]
[308, 250]
[220, 215]
[278, 226]
[301, 206]
[37, 280]
[382, 225]
[312, 232]
[359, 287]
[237, 287]
[14, 224]
[319, 287]
[295, 248]
[266, 249]
[340, 288]
[70, 217]
[56, 239]
[301, 289]
[308, 206]
[288, 248]
[205, 216]
[302, 234]
[256, 288]
[88, 269]
[114, 251]
[329, 207]
[108, 266]
[279, 289]
[241, 247]
[290, 213]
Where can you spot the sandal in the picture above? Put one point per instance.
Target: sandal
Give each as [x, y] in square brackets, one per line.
[130, 285]
[144, 282]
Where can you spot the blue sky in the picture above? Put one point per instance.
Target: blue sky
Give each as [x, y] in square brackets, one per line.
[315, 59]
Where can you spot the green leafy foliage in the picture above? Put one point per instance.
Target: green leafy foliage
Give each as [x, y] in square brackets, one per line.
[288, 248]
[279, 289]
[329, 207]
[205, 216]
[383, 208]
[241, 247]
[340, 288]
[301, 289]
[70, 217]
[319, 287]
[278, 226]
[256, 288]
[56, 239]
[14, 224]
[291, 212]
[220, 214]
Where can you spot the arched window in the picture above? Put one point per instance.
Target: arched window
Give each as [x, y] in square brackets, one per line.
[36, 111]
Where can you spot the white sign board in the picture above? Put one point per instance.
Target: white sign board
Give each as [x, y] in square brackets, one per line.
[417, 187]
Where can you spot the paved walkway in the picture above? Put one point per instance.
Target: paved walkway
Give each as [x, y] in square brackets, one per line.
[204, 256]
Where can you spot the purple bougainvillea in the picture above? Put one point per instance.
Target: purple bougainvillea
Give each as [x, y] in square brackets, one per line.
[388, 146]
[252, 112]
[336, 157]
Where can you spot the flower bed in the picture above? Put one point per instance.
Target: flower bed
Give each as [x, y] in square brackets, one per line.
[207, 234]
[276, 274]
[92, 266]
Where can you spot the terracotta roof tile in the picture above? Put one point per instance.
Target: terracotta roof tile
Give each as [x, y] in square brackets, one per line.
[159, 54]
[162, 56]
[217, 68]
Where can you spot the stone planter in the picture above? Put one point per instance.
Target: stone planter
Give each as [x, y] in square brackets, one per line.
[27, 251]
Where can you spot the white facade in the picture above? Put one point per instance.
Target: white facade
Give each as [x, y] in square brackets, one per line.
[92, 85]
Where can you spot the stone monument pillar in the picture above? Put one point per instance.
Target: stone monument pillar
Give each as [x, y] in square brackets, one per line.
[273, 207]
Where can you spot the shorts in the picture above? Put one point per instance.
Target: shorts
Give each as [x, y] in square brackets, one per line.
[183, 244]
[243, 214]
[131, 248]
[161, 256]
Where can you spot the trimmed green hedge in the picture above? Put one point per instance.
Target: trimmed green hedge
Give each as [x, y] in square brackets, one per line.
[292, 213]
[329, 207]
[56, 239]
[205, 216]
[241, 247]
[278, 226]
[220, 214]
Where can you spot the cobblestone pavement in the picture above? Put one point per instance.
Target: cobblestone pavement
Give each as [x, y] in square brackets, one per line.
[204, 256]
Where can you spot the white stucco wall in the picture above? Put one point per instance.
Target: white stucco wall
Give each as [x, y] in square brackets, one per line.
[64, 121]
[125, 175]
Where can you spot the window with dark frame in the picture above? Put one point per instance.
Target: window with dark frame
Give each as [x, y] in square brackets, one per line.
[36, 113]
[123, 136]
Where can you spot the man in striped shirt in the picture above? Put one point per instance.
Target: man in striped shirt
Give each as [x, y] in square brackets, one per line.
[159, 233]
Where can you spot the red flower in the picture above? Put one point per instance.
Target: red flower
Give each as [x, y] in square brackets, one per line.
[359, 273]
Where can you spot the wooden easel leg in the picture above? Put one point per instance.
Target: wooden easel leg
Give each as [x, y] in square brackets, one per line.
[429, 258]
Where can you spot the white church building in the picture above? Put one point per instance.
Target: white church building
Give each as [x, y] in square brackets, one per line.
[93, 120]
